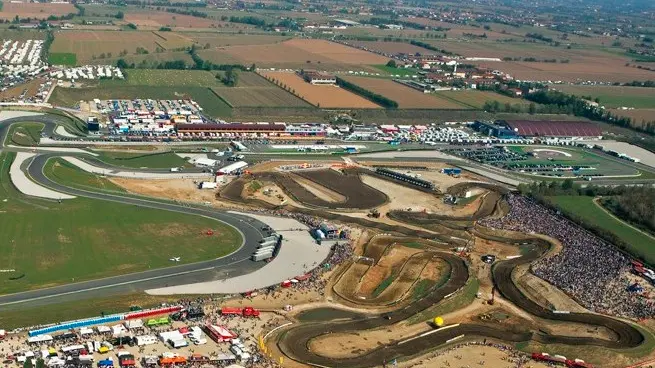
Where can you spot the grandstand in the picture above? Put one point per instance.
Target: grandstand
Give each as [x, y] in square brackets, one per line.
[405, 178]
[554, 129]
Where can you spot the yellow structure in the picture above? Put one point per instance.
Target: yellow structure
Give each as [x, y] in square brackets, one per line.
[438, 321]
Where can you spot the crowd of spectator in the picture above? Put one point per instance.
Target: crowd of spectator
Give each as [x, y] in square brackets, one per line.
[591, 270]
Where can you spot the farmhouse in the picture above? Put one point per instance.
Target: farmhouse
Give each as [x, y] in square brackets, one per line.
[315, 77]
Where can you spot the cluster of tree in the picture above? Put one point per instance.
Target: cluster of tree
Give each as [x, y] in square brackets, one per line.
[181, 5]
[259, 22]
[535, 60]
[635, 205]
[45, 49]
[231, 78]
[141, 51]
[431, 47]
[649, 84]
[573, 105]
[165, 29]
[473, 35]
[119, 15]
[191, 12]
[538, 36]
[132, 26]
[378, 99]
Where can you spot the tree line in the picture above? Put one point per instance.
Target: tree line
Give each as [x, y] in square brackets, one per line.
[378, 99]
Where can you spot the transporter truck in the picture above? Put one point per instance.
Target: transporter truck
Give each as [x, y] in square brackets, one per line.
[265, 249]
[269, 238]
[267, 243]
[262, 256]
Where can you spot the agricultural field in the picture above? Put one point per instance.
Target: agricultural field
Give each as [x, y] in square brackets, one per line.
[35, 10]
[398, 72]
[584, 207]
[297, 54]
[405, 96]
[157, 19]
[476, 99]
[83, 239]
[212, 105]
[639, 116]
[326, 96]
[254, 90]
[155, 84]
[225, 39]
[615, 96]
[93, 45]
[392, 47]
[62, 58]
[153, 77]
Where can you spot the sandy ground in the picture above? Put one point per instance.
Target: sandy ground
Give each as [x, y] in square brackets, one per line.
[298, 255]
[402, 198]
[177, 189]
[468, 356]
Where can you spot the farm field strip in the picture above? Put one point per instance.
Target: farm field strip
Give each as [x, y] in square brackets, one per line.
[615, 96]
[327, 96]
[405, 96]
[87, 44]
[477, 99]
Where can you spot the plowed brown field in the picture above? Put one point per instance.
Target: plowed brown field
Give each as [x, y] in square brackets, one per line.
[34, 10]
[405, 96]
[327, 96]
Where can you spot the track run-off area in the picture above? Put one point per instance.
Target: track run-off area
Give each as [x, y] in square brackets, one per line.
[294, 340]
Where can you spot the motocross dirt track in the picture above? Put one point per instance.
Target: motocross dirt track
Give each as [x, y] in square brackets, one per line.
[296, 340]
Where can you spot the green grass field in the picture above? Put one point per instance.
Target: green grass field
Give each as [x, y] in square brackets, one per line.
[584, 207]
[616, 96]
[63, 172]
[476, 99]
[24, 134]
[403, 72]
[62, 58]
[137, 160]
[164, 78]
[54, 243]
[212, 105]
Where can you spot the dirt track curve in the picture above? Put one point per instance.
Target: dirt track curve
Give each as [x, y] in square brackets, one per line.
[295, 341]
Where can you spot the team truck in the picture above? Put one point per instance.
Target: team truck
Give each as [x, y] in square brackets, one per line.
[267, 244]
[262, 256]
[270, 248]
[269, 238]
[244, 312]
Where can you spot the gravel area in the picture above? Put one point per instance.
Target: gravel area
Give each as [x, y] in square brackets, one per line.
[63, 132]
[298, 255]
[134, 174]
[25, 185]
[8, 114]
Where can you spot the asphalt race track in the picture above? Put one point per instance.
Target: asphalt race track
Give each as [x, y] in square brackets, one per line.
[237, 263]
[296, 340]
